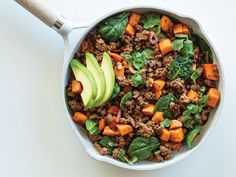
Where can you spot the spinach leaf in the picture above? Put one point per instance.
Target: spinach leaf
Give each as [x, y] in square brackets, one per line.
[163, 105]
[126, 97]
[113, 28]
[187, 49]
[195, 75]
[150, 20]
[203, 99]
[91, 126]
[191, 135]
[137, 80]
[201, 91]
[187, 121]
[142, 147]
[185, 36]
[107, 143]
[116, 91]
[148, 54]
[204, 47]
[162, 35]
[129, 57]
[180, 67]
[191, 109]
[165, 123]
[158, 30]
[122, 157]
[178, 44]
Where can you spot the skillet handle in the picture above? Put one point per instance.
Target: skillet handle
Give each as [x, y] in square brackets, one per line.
[44, 12]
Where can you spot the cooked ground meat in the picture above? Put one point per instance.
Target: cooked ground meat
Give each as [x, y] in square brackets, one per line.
[139, 60]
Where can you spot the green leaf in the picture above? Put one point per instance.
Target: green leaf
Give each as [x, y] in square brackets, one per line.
[107, 143]
[162, 35]
[116, 91]
[137, 80]
[113, 28]
[197, 116]
[129, 57]
[202, 91]
[126, 97]
[158, 30]
[191, 135]
[187, 49]
[142, 147]
[187, 121]
[195, 75]
[163, 105]
[165, 123]
[180, 67]
[123, 158]
[91, 126]
[149, 20]
[148, 54]
[139, 60]
[185, 36]
[203, 99]
[178, 44]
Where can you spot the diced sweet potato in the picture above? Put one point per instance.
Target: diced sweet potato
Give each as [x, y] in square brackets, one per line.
[124, 129]
[159, 84]
[164, 135]
[148, 110]
[125, 64]
[165, 46]
[175, 124]
[166, 23]
[116, 57]
[157, 117]
[76, 86]
[120, 72]
[178, 29]
[213, 97]
[185, 29]
[127, 88]
[192, 95]
[134, 19]
[157, 94]
[109, 132]
[210, 71]
[113, 110]
[177, 135]
[101, 124]
[130, 30]
[79, 117]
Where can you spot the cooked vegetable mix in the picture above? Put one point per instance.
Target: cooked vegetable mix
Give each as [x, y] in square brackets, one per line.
[142, 85]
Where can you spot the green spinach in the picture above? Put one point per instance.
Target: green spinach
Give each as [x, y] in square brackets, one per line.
[116, 91]
[180, 67]
[113, 28]
[187, 121]
[107, 143]
[142, 147]
[148, 54]
[187, 49]
[178, 44]
[163, 105]
[122, 156]
[126, 97]
[91, 126]
[137, 79]
[185, 36]
[191, 135]
[195, 75]
[165, 123]
[150, 20]
[203, 99]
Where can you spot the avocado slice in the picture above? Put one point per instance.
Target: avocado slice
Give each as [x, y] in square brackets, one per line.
[83, 75]
[107, 68]
[98, 74]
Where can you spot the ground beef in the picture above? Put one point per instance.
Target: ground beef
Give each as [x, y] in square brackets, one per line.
[142, 102]
[102, 111]
[94, 138]
[136, 94]
[75, 106]
[184, 100]
[175, 108]
[123, 81]
[108, 119]
[204, 114]
[178, 85]
[101, 45]
[160, 73]
[142, 36]
[167, 61]
[149, 95]
[138, 27]
[101, 150]
[156, 158]
[120, 140]
[154, 64]
[144, 130]
[116, 153]
[166, 152]
[129, 104]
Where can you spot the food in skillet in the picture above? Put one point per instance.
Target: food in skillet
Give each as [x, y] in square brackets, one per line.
[142, 85]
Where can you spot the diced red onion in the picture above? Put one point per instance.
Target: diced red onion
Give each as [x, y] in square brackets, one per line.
[153, 38]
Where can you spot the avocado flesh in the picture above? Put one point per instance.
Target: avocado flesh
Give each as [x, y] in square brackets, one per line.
[107, 68]
[83, 75]
[98, 74]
